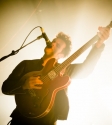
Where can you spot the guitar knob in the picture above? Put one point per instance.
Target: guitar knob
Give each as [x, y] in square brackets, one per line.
[30, 113]
[35, 106]
[38, 97]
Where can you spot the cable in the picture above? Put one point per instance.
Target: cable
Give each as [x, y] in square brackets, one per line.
[28, 35]
[9, 122]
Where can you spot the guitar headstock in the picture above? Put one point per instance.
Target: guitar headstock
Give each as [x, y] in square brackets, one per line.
[110, 25]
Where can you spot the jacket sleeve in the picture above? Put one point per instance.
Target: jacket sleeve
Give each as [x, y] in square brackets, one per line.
[12, 85]
[82, 70]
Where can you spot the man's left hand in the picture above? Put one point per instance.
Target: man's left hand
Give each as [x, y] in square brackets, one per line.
[103, 34]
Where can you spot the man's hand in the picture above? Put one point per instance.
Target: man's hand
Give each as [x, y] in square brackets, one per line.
[103, 34]
[33, 83]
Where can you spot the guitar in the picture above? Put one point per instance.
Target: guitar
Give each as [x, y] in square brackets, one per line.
[37, 103]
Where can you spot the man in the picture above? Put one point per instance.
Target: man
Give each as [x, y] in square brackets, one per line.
[60, 48]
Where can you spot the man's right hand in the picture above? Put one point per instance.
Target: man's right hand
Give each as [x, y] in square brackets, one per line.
[33, 83]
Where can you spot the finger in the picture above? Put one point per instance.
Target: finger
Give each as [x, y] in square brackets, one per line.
[38, 81]
[102, 36]
[37, 87]
[104, 33]
[104, 30]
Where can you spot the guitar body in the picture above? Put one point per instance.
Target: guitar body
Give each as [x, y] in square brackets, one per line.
[38, 103]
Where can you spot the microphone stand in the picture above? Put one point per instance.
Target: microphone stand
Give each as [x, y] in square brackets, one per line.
[15, 52]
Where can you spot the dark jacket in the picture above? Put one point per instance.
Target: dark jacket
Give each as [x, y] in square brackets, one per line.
[12, 86]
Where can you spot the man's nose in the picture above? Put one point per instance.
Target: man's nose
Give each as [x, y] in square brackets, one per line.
[53, 44]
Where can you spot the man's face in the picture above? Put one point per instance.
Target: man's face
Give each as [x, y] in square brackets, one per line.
[57, 47]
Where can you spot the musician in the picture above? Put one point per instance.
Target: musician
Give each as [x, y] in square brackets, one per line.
[61, 46]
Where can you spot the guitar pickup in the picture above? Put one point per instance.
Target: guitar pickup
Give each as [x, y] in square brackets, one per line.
[52, 74]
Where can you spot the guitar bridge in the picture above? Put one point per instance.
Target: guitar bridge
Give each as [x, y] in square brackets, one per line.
[52, 74]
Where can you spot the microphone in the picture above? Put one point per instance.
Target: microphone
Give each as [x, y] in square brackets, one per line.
[48, 43]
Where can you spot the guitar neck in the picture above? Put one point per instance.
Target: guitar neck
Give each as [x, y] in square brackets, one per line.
[76, 54]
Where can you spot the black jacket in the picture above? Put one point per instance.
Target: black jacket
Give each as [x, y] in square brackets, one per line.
[12, 86]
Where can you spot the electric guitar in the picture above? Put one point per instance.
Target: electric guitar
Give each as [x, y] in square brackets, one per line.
[37, 103]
